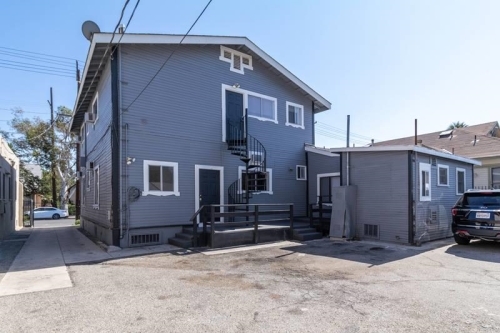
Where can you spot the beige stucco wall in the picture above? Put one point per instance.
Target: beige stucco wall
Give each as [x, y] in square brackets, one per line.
[13, 160]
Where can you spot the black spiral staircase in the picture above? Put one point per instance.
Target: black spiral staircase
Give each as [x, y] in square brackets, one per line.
[252, 152]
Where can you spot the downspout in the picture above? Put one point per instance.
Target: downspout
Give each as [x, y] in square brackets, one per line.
[347, 144]
[122, 170]
[313, 123]
[415, 198]
[348, 167]
[115, 151]
[307, 183]
[410, 199]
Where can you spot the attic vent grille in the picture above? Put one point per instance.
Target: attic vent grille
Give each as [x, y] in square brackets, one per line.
[246, 61]
[144, 239]
[237, 62]
[371, 230]
[227, 55]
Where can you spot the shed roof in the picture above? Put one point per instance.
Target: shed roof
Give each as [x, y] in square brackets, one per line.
[97, 54]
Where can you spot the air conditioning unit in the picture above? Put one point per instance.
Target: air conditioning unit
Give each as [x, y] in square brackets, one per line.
[90, 117]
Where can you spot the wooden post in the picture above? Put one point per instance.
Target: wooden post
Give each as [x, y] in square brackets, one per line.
[195, 231]
[311, 216]
[256, 225]
[320, 207]
[204, 219]
[212, 225]
[291, 217]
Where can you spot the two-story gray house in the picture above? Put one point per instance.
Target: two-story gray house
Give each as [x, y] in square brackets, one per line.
[160, 139]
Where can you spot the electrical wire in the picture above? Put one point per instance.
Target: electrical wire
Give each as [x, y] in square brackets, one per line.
[35, 66]
[333, 128]
[40, 72]
[42, 54]
[24, 111]
[34, 58]
[104, 55]
[170, 56]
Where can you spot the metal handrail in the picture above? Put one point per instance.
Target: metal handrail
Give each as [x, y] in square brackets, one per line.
[194, 219]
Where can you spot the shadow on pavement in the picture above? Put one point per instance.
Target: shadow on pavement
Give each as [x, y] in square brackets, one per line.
[477, 250]
[369, 253]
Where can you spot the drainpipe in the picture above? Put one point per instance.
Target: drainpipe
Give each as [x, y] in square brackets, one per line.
[347, 145]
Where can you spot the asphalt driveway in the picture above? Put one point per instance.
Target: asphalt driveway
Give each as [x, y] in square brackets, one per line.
[321, 286]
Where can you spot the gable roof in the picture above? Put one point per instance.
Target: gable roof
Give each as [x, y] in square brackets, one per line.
[100, 42]
[473, 141]
[418, 149]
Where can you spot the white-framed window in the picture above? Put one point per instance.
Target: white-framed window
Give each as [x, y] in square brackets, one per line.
[238, 60]
[495, 178]
[83, 135]
[82, 190]
[301, 172]
[97, 188]
[161, 178]
[256, 158]
[443, 175]
[262, 107]
[89, 172]
[260, 182]
[460, 181]
[95, 107]
[425, 181]
[294, 115]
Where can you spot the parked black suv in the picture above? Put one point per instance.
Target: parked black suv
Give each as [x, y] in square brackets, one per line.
[476, 215]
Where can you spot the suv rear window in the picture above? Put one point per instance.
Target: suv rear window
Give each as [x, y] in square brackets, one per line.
[482, 199]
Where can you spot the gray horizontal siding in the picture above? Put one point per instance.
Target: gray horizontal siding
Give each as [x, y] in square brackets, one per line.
[98, 150]
[178, 118]
[381, 179]
[319, 164]
[443, 199]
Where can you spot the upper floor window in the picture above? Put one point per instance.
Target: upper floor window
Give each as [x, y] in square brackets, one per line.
[238, 60]
[301, 172]
[161, 178]
[294, 115]
[95, 106]
[262, 107]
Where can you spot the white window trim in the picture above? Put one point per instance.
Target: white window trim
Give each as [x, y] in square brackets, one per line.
[245, 94]
[424, 167]
[96, 101]
[302, 115]
[442, 166]
[241, 169]
[296, 172]
[456, 180]
[318, 181]
[231, 61]
[96, 185]
[197, 168]
[145, 172]
[88, 179]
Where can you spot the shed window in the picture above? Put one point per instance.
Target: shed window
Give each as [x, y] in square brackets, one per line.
[495, 178]
[301, 172]
[161, 178]
[425, 182]
[460, 181]
[443, 175]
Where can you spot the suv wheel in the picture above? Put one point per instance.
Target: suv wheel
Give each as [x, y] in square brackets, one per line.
[461, 240]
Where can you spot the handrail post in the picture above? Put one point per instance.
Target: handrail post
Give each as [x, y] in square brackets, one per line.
[321, 212]
[311, 215]
[204, 219]
[212, 225]
[291, 218]
[195, 231]
[256, 225]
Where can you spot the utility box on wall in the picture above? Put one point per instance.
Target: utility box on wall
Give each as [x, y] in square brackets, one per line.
[343, 218]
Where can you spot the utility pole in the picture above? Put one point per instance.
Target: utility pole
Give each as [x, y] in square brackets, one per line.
[52, 155]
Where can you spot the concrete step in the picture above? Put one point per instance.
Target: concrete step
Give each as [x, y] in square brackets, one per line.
[184, 235]
[308, 236]
[304, 230]
[180, 242]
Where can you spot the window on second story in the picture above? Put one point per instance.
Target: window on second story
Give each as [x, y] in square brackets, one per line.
[262, 107]
[238, 60]
[301, 172]
[95, 107]
[294, 115]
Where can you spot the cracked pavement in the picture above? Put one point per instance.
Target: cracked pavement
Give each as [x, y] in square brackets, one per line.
[321, 286]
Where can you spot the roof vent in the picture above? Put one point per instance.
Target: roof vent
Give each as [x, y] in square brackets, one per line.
[445, 134]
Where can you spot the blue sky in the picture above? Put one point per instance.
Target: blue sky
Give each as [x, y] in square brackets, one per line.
[383, 62]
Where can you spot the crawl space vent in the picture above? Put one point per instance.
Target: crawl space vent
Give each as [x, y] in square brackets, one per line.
[144, 239]
[371, 230]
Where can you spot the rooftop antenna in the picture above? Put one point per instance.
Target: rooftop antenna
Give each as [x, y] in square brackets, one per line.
[89, 28]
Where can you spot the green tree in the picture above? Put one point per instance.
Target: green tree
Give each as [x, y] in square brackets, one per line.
[31, 140]
[457, 124]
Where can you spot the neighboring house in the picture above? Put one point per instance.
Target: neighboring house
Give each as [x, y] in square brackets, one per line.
[36, 170]
[153, 152]
[404, 193]
[11, 204]
[480, 142]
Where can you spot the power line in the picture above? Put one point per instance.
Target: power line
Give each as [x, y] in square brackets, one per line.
[42, 54]
[6, 109]
[36, 58]
[33, 71]
[171, 54]
[340, 130]
[338, 137]
[105, 53]
[35, 66]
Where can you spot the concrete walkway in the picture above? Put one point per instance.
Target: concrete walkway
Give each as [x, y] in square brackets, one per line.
[41, 263]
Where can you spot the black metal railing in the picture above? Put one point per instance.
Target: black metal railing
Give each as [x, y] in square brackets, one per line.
[320, 214]
[217, 217]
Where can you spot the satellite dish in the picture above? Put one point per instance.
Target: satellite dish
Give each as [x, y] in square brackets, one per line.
[89, 28]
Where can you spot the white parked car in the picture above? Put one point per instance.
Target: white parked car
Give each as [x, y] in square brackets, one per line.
[48, 213]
